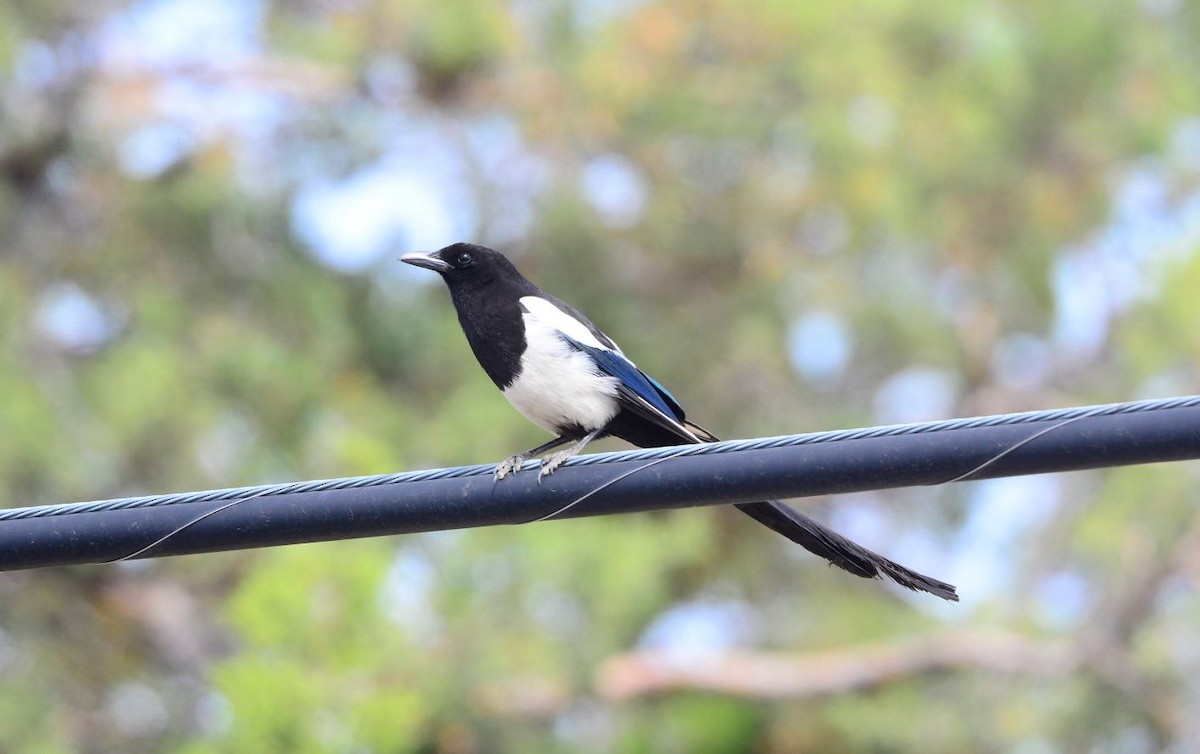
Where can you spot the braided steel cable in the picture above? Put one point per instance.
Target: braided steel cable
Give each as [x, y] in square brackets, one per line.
[722, 472]
[600, 459]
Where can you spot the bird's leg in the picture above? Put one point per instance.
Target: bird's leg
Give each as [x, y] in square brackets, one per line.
[553, 462]
[512, 463]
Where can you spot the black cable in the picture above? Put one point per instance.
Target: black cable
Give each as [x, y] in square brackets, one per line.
[639, 480]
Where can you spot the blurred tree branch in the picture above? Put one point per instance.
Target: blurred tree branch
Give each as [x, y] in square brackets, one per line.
[780, 675]
[1101, 647]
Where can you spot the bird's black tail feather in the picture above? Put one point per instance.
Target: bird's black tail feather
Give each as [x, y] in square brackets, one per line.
[839, 551]
[783, 519]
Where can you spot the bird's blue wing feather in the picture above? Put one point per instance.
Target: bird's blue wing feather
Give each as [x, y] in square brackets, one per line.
[676, 409]
[613, 363]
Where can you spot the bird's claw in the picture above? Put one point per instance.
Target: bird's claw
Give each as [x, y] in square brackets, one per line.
[509, 465]
[551, 463]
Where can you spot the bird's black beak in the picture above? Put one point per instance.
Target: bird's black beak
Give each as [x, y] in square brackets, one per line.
[427, 261]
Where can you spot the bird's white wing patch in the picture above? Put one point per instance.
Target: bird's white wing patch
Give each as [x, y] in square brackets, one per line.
[551, 316]
[595, 389]
[559, 387]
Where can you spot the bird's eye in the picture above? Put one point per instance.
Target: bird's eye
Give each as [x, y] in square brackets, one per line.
[464, 259]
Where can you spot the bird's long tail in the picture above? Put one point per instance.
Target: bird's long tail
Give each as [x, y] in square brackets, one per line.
[839, 551]
[826, 543]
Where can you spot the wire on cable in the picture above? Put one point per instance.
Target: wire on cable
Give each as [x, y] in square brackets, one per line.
[734, 471]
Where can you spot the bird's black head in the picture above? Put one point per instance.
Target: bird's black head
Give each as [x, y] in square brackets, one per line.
[464, 264]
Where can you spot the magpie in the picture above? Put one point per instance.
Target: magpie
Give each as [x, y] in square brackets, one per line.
[569, 378]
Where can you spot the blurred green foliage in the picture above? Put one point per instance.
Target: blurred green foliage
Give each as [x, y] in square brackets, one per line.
[994, 202]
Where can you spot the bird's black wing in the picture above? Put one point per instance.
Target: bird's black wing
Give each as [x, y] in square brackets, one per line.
[638, 393]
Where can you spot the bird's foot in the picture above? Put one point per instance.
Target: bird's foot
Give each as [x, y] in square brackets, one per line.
[510, 465]
[552, 462]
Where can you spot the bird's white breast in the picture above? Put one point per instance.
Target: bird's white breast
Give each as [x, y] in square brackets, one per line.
[558, 385]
